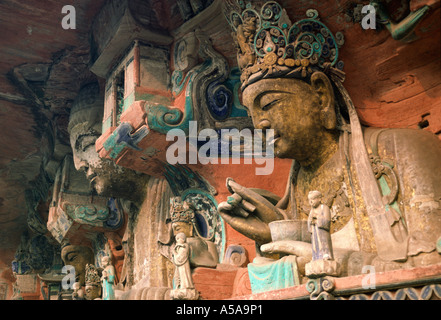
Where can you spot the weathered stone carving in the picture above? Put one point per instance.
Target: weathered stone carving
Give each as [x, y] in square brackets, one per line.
[35, 254]
[236, 256]
[182, 219]
[108, 279]
[76, 213]
[93, 288]
[295, 88]
[321, 289]
[20, 263]
[319, 224]
[184, 289]
[85, 127]
[428, 292]
[402, 30]
[77, 257]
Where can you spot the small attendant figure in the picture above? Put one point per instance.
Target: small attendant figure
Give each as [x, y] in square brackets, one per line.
[108, 279]
[181, 254]
[184, 286]
[319, 223]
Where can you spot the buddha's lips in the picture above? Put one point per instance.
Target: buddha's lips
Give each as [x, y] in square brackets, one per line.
[274, 140]
[92, 177]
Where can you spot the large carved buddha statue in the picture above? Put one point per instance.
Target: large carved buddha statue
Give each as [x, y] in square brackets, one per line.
[383, 185]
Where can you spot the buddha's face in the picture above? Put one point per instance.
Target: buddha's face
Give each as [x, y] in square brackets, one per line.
[292, 108]
[78, 257]
[92, 292]
[107, 178]
[182, 227]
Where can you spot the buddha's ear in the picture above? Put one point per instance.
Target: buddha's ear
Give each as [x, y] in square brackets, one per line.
[323, 87]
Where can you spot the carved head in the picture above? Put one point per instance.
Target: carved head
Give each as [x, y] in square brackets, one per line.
[85, 125]
[181, 238]
[182, 216]
[78, 257]
[301, 114]
[315, 198]
[93, 282]
[287, 87]
[105, 261]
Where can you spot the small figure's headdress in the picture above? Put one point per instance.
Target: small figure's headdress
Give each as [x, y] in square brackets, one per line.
[92, 276]
[271, 46]
[181, 211]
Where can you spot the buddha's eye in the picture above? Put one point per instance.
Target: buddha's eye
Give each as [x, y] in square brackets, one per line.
[71, 257]
[270, 105]
[270, 100]
[85, 142]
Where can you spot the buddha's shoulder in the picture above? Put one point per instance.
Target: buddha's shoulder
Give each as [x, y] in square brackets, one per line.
[414, 153]
[402, 140]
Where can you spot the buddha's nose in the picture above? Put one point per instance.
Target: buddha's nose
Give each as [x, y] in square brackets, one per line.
[264, 124]
[80, 164]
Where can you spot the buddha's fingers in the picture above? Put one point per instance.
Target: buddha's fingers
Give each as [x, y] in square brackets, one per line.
[250, 226]
[297, 248]
[262, 208]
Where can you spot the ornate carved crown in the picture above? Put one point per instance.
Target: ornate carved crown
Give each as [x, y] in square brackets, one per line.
[92, 275]
[270, 45]
[181, 211]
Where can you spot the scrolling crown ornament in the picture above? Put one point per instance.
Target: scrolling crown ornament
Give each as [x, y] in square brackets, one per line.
[270, 45]
[181, 211]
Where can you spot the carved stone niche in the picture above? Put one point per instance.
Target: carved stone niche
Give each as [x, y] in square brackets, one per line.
[75, 213]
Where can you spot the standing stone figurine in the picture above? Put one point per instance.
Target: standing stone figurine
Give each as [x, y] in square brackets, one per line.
[183, 281]
[319, 223]
[108, 279]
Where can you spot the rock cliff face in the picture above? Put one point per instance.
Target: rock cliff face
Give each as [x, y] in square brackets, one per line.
[43, 66]
[41, 69]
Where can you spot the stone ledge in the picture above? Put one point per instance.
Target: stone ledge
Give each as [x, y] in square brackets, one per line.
[345, 286]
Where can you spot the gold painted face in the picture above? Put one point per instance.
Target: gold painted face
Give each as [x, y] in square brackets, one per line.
[184, 227]
[302, 116]
[92, 292]
[78, 257]
[290, 107]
